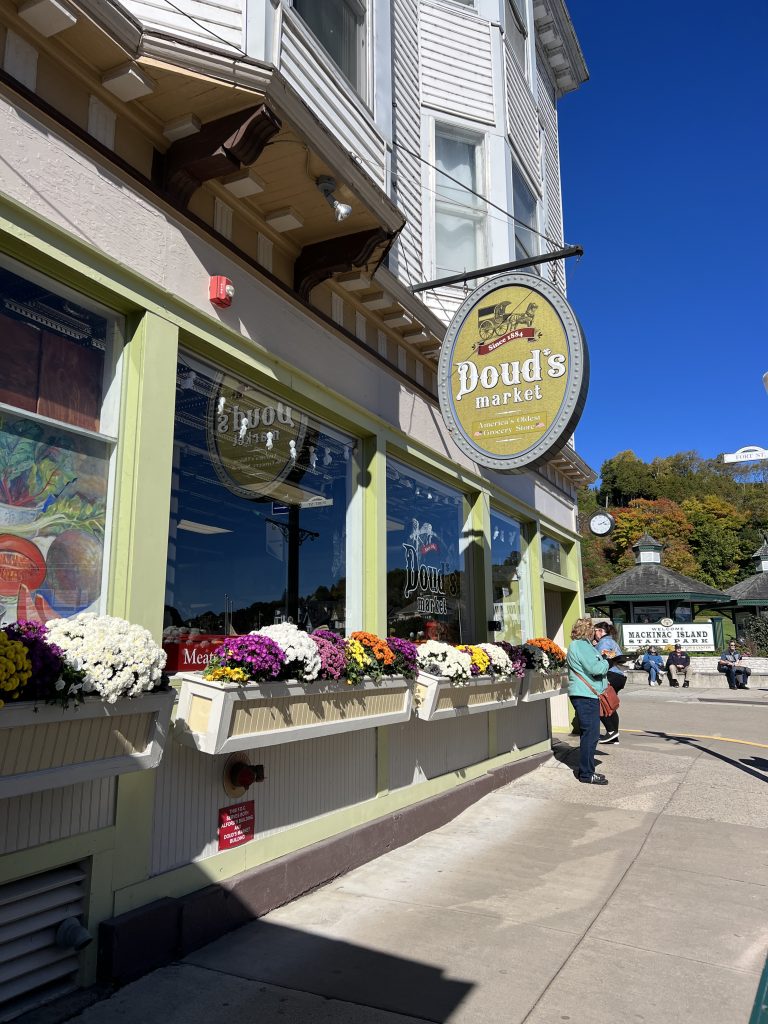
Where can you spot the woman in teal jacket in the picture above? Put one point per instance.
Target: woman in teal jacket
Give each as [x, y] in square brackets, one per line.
[586, 665]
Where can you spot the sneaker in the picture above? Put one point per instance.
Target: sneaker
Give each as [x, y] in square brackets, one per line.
[653, 684]
[610, 737]
[594, 780]
[744, 687]
[685, 686]
[674, 684]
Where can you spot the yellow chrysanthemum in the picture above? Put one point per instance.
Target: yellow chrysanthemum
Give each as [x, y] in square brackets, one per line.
[480, 659]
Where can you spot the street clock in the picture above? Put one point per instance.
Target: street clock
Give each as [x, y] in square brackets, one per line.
[601, 523]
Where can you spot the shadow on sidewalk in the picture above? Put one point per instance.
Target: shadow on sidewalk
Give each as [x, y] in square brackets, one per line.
[687, 741]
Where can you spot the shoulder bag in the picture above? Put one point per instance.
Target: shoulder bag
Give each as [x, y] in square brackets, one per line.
[609, 699]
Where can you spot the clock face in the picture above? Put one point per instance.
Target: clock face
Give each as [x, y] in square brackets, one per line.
[601, 523]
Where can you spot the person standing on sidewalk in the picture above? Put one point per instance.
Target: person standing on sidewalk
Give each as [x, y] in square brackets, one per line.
[587, 671]
[605, 644]
[737, 675]
[678, 663]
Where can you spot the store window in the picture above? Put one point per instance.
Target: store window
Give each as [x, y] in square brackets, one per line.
[58, 425]
[339, 25]
[526, 225]
[552, 555]
[426, 570]
[511, 611]
[260, 513]
[460, 213]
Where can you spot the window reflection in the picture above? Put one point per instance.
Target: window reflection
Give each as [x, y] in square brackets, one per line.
[259, 511]
[425, 559]
[509, 574]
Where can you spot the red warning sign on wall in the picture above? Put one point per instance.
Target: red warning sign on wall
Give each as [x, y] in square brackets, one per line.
[236, 824]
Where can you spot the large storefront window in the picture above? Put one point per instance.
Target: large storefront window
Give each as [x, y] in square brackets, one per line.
[259, 512]
[426, 578]
[58, 402]
[510, 580]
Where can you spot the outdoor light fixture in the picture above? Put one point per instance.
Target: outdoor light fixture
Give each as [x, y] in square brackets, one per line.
[327, 187]
[765, 381]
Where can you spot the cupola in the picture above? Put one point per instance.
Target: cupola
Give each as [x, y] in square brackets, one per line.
[648, 550]
[761, 557]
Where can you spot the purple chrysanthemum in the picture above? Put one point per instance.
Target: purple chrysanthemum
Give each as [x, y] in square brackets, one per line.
[516, 655]
[406, 657]
[259, 656]
[333, 662]
[46, 658]
[332, 638]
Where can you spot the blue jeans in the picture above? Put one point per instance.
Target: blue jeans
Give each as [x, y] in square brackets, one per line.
[653, 673]
[588, 713]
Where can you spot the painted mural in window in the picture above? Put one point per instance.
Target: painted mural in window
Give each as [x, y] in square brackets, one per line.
[58, 360]
[259, 508]
[509, 580]
[426, 577]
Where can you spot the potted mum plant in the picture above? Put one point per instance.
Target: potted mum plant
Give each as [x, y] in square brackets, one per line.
[83, 698]
[546, 675]
[281, 684]
[464, 680]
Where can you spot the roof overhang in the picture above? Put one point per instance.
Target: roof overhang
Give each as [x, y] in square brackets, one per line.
[559, 45]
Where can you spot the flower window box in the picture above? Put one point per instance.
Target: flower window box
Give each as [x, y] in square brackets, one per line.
[437, 697]
[46, 746]
[538, 685]
[218, 718]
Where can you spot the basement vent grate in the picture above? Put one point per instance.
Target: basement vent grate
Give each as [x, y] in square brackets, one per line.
[33, 969]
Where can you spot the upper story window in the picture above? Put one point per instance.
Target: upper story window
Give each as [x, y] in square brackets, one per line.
[525, 213]
[340, 25]
[516, 29]
[460, 215]
[552, 555]
[58, 423]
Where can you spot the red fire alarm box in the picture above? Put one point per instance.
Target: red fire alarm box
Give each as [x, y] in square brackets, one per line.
[221, 291]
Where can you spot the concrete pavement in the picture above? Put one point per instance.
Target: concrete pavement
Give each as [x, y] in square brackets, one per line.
[547, 901]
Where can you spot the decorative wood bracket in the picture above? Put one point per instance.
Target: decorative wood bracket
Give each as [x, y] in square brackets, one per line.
[221, 147]
[322, 260]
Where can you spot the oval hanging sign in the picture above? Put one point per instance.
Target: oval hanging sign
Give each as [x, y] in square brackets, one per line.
[513, 373]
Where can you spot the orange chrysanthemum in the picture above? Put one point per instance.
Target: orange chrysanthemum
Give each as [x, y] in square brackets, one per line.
[378, 647]
[549, 647]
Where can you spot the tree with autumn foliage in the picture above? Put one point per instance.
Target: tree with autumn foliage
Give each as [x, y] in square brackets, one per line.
[709, 515]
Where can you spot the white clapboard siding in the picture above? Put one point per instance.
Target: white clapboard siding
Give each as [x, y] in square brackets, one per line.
[303, 781]
[456, 64]
[407, 169]
[552, 190]
[216, 23]
[521, 726]
[425, 750]
[317, 80]
[522, 116]
[37, 818]
[445, 301]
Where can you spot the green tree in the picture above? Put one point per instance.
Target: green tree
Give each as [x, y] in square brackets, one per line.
[625, 477]
[716, 540]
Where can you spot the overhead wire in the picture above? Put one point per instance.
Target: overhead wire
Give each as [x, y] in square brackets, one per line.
[205, 28]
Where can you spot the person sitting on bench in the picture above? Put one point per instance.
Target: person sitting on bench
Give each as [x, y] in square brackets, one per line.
[678, 664]
[653, 663]
[737, 675]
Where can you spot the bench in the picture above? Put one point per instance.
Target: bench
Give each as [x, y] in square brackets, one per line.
[703, 673]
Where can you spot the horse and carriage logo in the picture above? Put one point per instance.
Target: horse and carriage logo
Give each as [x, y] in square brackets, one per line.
[499, 324]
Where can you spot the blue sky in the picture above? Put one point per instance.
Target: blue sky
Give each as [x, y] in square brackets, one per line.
[665, 176]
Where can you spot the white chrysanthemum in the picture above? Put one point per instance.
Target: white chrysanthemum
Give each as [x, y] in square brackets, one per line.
[117, 658]
[544, 660]
[298, 647]
[444, 660]
[501, 663]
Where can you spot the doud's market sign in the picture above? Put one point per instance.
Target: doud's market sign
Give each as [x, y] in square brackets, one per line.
[697, 636]
[513, 373]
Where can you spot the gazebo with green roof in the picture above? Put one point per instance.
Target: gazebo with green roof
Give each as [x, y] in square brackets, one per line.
[650, 592]
[750, 596]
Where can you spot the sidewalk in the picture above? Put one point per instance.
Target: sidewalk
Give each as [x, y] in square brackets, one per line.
[514, 912]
